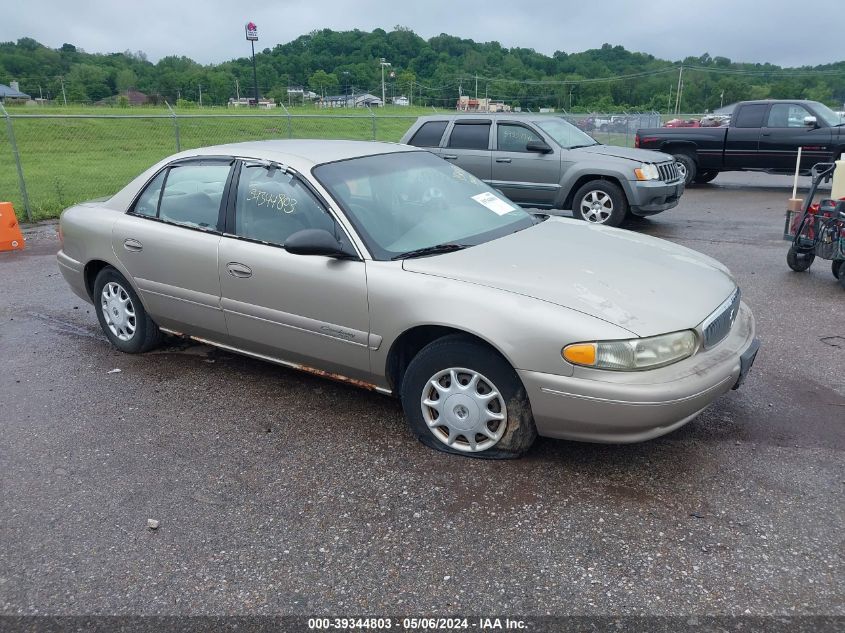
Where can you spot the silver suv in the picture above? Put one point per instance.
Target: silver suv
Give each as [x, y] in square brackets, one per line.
[545, 162]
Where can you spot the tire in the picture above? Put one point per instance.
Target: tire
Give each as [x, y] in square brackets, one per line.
[600, 202]
[470, 362]
[687, 166]
[799, 261]
[705, 176]
[836, 267]
[121, 314]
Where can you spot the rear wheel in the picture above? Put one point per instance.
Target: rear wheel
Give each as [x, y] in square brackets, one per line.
[838, 268]
[687, 167]
[799, 261]
[705, 176]
[462, 397]
[600, 202]
[121, 315]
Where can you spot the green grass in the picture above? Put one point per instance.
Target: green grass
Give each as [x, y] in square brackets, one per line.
[68, 160]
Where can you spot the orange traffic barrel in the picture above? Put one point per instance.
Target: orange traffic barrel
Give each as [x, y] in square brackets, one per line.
[11, 238]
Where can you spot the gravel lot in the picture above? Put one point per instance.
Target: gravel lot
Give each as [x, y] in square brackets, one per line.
[282, 493]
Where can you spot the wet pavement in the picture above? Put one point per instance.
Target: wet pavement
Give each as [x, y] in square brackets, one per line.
[280, 492]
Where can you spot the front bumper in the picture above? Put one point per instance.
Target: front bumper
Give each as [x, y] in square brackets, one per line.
[621, 407]
[648, 197]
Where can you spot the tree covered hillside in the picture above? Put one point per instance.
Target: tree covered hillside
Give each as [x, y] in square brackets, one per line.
[433, 72]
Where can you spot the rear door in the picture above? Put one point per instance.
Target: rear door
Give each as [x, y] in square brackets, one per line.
[785, 132]
[168, 243]
[309, 310]
[742, 145]
[468, 147]
[528, 178]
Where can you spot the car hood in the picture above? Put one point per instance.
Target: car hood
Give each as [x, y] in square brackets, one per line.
[646, 285]
[628, 153]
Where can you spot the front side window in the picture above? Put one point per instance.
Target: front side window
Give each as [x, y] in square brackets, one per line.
[272, 205]
[406, 201]
[514, 138]
[470, 136]
[787, 115]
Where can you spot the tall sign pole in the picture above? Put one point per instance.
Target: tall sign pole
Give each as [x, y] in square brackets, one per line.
[383, 63]
[252, 37]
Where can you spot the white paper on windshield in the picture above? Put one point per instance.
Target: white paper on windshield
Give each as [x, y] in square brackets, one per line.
[494, 203]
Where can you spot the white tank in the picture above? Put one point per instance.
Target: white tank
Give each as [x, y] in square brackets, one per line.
[838, 186]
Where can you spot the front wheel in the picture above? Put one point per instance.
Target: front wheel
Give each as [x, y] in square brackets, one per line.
[705, 176]
[121, 315]
[600, 202]
[686, 167]
[462, 397]
[799, 261]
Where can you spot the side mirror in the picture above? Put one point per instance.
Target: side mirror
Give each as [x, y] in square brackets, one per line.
[538, 146]
[810, 121]
[318, 242]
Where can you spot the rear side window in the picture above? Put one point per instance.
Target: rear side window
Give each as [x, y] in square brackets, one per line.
[751, 115]
[470, 136]
[147, 203]
[192, 195]
[429, 134]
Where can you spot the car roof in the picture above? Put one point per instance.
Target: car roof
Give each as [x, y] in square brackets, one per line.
[490, 115]
[301, 154]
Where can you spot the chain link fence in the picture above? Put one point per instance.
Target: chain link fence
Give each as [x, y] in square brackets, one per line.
[51, 161]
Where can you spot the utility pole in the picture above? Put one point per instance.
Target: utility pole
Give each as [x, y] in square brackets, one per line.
[64, 96]
[722, 100]
[678, 93]
[476, 86]
[199, 86]
[570, 96]
[237, 90]
[383, 63]
[669, 102]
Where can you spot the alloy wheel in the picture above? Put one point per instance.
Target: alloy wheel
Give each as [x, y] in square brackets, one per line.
[118, 311]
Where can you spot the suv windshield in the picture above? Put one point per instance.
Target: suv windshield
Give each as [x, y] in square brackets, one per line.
[406, 202]
[564, 133]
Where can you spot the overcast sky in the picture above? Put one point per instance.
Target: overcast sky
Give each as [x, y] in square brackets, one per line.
[784, 32]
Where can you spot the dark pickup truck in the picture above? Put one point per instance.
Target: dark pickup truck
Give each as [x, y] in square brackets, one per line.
[762, 136]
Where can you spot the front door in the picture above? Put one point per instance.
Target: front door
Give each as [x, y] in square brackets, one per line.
[468, 147]
[168, 243]
[786, 131]
[531, 179]
[742, 147]
[309, 310]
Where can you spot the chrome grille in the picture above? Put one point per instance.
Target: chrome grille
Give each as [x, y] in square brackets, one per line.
[716, 327]
[668, 172]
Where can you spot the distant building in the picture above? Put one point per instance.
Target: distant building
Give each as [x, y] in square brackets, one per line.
[363, 100]
[12, 92]
[471, 104]
[245, 102]
[401, 101]
[135, 97]
[302, 94]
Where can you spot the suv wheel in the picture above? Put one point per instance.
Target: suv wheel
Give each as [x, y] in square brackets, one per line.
[600, 202]
[687, 168]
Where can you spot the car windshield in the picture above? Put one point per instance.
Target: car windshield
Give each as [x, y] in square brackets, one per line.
[564, 133]
[826, 114]
[407, 202]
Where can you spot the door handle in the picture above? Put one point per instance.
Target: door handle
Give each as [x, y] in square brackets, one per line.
[503, 160]
[450, 156]
[132, 245]
[239, 270]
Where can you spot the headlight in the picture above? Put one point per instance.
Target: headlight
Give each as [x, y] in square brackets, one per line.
[634, 354]
[647, 171]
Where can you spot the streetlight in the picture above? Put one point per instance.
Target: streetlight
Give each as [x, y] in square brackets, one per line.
[383, 63]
